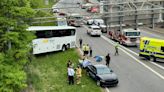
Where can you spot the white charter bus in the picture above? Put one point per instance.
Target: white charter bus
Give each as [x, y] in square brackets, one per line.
[53, 38]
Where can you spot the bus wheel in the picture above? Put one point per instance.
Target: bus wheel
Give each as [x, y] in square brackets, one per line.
[68, 46]
[63, 48]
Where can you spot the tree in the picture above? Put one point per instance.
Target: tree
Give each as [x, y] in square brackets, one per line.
[14, 20]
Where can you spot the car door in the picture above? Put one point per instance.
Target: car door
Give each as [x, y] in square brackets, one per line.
[92, 72]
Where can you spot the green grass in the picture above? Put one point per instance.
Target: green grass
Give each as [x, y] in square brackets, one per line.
[48, 73]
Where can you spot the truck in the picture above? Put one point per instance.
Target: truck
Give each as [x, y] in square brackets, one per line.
[128, 36]
[74, 19]
[101, 24]
[152, 48]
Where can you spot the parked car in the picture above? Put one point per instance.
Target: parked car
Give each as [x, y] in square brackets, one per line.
[103, 75]
[101, 24]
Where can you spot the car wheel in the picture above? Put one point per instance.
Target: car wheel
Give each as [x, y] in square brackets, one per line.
[154, 59]
[98, 83]
[88, 74]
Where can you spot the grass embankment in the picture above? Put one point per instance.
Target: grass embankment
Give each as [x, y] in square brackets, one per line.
[49, 74]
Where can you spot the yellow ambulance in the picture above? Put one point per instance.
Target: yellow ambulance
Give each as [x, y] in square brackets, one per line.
[152, 48]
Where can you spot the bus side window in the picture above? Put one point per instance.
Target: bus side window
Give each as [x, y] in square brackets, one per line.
[55, 33]
[162, 49]
[48, 33]
[40, 34]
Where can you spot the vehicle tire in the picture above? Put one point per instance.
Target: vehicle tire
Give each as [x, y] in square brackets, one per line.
[112, 37]
[154, 59]
[64, 48]
[87, 32]
[68, 46]
[88, 74]
[98, 83]
[148, 58]
[120, 42]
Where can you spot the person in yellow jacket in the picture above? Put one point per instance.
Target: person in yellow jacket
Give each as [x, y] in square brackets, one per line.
[84, 49]
[78, 74]
[87, 49]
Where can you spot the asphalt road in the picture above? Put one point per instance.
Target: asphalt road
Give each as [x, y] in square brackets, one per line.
[133, 75]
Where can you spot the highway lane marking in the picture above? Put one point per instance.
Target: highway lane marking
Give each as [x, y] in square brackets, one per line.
[107, 90]
[138, 55]
[158, 65]
[146, 66]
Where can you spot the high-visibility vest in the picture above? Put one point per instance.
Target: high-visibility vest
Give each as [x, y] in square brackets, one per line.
[84, 48]
[87, 48]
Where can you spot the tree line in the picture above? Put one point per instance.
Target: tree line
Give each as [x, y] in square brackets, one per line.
[15, 42]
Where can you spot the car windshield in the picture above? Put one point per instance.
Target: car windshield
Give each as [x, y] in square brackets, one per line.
[132, 33]
[103, 70]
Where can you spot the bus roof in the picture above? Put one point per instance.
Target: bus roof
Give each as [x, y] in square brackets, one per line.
[41, 28]
[153, 39]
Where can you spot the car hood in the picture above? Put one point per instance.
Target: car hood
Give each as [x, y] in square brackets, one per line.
[111, 76]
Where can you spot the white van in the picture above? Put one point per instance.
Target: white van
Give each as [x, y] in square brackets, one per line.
[94, 30]
[100, 23]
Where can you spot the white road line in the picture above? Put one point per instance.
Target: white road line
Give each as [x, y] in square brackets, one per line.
[107, 90]
[146, 66]
[159, 66]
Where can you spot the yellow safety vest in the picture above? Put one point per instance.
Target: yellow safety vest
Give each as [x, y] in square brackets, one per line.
[87, 48]
[78, 72]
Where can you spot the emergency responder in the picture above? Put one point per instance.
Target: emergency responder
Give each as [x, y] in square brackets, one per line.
[80, 42]
[84, 49]
[78, 74]
[107, 59]
[87, 49]
[90, 51]
[116, 49]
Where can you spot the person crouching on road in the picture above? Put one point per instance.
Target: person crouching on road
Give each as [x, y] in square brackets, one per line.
[71, 73]
[78, 74]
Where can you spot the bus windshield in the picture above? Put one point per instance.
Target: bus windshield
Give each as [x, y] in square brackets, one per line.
[132, 33]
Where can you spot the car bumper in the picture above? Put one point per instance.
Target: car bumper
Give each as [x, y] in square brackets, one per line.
[95, 33]
[109, 83]
[131, 43]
